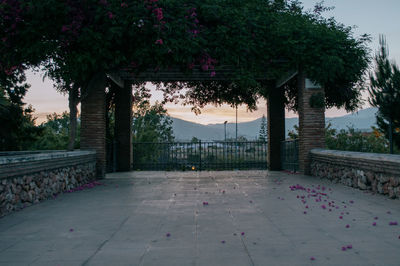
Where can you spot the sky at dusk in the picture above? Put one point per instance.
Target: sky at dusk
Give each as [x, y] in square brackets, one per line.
[369, 16]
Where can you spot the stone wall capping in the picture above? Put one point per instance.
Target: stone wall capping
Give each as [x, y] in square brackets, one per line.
[19, 157]
[362, 156]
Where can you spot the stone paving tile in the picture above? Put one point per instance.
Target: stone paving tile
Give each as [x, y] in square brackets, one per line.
[205, 218]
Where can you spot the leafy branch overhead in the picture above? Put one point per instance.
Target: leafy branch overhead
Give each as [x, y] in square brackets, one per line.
[73, 40]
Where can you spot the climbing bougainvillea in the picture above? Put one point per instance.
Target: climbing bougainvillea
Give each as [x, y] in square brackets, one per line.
[74, 39]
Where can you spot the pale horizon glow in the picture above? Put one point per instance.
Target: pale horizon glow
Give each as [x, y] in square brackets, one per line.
[370, 16]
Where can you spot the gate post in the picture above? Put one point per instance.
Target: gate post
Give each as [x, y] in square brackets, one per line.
[123, 127]
[311, 120]
[276, 127]
[93, 120]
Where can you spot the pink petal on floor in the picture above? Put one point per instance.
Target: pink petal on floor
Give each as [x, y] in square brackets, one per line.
[347, 226]
[349, 246]
[340, 217]
[343, 248]
[312, 258]
[242, 233]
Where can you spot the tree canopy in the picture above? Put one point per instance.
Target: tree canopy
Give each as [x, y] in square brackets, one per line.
[73, 40]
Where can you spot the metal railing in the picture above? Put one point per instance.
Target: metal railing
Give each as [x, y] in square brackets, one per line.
[216, 155]
[290, 155]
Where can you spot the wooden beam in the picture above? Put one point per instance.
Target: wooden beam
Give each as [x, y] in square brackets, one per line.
[116, 78]
[286, 78]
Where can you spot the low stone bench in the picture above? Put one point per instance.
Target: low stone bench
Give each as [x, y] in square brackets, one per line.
[30, 177]
[367, 171]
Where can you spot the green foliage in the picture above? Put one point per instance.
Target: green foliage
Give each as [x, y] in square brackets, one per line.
[353, 140]
[385, 93]
[294, 133]
[55, 133]
[17, 130]
[151, 123]
[263, 134]
[195, 140]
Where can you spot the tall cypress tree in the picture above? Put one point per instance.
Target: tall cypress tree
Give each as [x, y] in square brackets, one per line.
[263, 133]
[385, 94]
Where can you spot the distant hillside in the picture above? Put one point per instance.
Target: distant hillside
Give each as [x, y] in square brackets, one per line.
[185, 130]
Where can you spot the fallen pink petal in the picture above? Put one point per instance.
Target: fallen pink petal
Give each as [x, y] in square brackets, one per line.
[347, 226]
[312, 258]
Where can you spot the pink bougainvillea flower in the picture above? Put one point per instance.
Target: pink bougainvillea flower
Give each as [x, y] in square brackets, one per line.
[347, 226]
[306, 206]
[349, 246]
[343, 248]
[323, 207]
[242, 233]
[212, 74]
[374, 224]
[393, 223]
[312, 258]
[340, 217]
[123, 4]
[110, 15]
[159, 41]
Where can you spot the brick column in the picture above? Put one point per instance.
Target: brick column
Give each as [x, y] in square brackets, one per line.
[123, 127]
[93, 120]
[276, 127]
[311, 121]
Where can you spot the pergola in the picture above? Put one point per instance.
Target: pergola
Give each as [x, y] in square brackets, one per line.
[93, 113]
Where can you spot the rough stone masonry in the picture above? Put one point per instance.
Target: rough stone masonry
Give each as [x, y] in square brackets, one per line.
[27, 178]
[367, 171]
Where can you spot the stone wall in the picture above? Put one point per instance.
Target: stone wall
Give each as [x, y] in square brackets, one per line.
[367, 171]
[28, 178]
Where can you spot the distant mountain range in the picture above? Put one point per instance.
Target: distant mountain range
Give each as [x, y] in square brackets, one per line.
[185, 130]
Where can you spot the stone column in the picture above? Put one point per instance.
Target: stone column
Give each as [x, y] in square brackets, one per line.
[93, 120]
[123, 127]
[276, 127]
[311, 120]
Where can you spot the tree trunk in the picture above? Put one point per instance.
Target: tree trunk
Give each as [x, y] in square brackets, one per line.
[73, 100]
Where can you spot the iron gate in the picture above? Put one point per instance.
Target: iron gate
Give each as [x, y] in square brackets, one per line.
[199, 155]
[290, 155]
